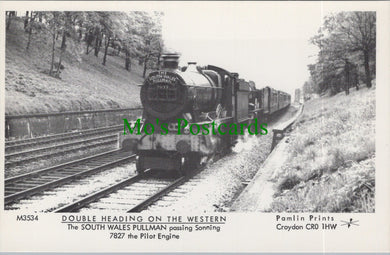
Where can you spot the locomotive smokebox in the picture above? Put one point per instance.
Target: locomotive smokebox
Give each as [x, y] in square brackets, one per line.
[169, 93]
[163, 95]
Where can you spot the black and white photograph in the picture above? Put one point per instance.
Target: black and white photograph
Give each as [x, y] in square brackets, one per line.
[210, 109]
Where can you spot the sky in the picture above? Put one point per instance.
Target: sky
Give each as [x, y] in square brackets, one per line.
[266, 43]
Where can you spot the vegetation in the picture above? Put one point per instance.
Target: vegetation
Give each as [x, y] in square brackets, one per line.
[49, 66]
[347, 43]
[331, 166]
[331, 161]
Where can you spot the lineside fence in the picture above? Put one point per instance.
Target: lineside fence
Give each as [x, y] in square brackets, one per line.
[280, 130]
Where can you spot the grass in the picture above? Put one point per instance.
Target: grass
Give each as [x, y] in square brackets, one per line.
[85, 83]
[331, 166]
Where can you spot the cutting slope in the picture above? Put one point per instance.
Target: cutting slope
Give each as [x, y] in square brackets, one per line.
[85, 83]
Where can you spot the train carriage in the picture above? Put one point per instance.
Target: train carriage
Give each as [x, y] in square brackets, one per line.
[274, 100]
[283, 99]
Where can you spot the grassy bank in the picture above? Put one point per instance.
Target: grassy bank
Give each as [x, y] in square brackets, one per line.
[85, 83]
[331, 166]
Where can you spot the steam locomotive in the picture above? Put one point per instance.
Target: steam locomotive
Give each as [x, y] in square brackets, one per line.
[205, 96]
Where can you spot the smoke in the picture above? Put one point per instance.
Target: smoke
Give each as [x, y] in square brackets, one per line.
[245, 142]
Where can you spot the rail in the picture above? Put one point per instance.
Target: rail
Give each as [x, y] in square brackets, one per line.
[73, 207]
[23, 186]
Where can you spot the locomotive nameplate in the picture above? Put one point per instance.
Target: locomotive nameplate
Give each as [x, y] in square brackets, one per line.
[162, 77]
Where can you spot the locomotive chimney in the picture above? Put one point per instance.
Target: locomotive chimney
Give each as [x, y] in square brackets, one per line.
[170, 60]
[191, 67]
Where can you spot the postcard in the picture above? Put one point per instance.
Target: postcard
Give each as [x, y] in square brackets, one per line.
[226, 126]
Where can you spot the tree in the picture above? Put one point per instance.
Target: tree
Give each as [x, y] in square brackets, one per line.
[152, 39]
[55, 22]
[30, 25]
[140, 37]
[59, 23]
[362, 36]
[89, 37]
[131, 39]
[9, 15]
[137, 34]
[359, 29]
[345, 40]
[26, 21]
[67, 30]
[93, 29]
[102, 26]
[109, 26]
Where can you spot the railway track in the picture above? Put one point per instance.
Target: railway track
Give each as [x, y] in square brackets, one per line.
[23, 157]
[29, 184]
[131, 195]
[21, 145]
